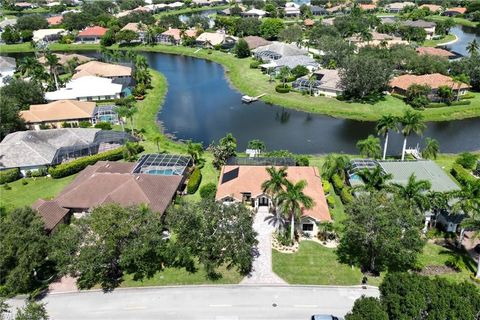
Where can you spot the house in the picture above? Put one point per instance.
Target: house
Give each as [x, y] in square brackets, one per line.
[291, 62]
[452, 12]
[433, 51]
[254, 13]
[378, 39]
[204, 3]
[51, 213]
[450, 222]
[174, 36]
[25, 5]
[7, 23]
[277, 50]
[318, 11]
[47, 35]
[396, 7]
[326, 82]
[8, 66]
[401, 84]
[55, 20]
[243, 184]
[254, 42]
[91, 34]
[63, 59]
[428, 26]
[137, 28]
[433, 8]
[54, 114]
[292, 9]
[368, 7]
[117, 73]
[33, 150]
[87, 88]
[308, 23]
[213, 39]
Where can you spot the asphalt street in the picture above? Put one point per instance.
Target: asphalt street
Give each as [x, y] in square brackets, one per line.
[206, 302]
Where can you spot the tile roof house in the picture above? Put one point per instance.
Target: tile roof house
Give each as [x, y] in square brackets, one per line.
[174, 36]
[254, 13]
[428, 26]
[327, 83]
[51, 213]
[87, 88]
[212, 39]
[432, 7]
[91, 34]
[47, 35]
[451, 12]
[255, 42]
[138, 28]
[435, 52]
[401, 84]
[396, 7]
[368, 7]
[55, 113]
[277, 50]
[64, 58]
[243, 183]
[117, 73]
[377, 40]
[55, 20]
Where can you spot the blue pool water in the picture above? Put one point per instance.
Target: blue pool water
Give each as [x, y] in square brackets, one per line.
[163, 172]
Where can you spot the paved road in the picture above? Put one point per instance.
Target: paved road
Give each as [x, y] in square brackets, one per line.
[206, 303]
[262, 265]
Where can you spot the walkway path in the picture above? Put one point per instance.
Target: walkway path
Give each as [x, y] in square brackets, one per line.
[262, 266]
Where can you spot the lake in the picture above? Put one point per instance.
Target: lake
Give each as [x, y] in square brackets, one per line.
[202, 106]
[465, 35]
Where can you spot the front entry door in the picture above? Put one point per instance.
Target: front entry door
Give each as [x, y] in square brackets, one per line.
[263, 202]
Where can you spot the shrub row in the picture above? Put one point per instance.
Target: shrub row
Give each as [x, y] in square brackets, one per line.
[461, 174]
[453, 103]
[9, 175]
[67, 169]
[281, 89]
[194, 181]
[338, 184]
[467, 96]
[398, 96]
[331, 201]
[327, 187]
[346, 195]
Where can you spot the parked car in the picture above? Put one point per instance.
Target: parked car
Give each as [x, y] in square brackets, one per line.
[325, 317]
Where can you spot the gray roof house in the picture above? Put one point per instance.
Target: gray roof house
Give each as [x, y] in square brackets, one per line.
[327, 83]
[291, 62]
[31, 150]
[277, 50]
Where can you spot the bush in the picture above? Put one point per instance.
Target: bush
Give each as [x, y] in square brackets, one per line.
[9, 175]
[66, 169]
[453, 103]
[281, 89]
[194, 181]
[346, 196]
[462, 175]
[28, 174]
[327, 187]
[338, 184]
[467, 160]
[255, 64]
[84, 124]
[39, 173]
[6, 186]
[24, 182]
[467, 96]
[208, 191]
[302, 161]
[104, 126]
[398, 96]
[331, 201]
[455, 262]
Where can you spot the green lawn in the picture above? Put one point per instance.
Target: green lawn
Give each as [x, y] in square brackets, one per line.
[24, 195]
[171, 276]
[461, 21]
[439, 42]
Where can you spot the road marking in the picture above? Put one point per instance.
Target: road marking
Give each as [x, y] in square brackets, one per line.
[135, 308]
[219, 305]
[305, 305]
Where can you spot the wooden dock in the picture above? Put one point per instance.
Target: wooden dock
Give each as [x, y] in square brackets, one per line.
[248, 99]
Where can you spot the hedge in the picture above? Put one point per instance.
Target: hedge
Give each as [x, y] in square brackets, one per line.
[281, 89]
[346, 196]
[453, 103]
[337, 183]
[331, 201]
[467, 96]
[208, 191]
[69, 168]
[398, 96]
[9, 175]
[194, 181]
[327, 187]
[461, 174]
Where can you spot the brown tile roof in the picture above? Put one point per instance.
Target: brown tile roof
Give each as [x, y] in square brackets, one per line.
[255, 42]
[50, 212]
[92, 32]
[132, 26]
[460, 10]
[101, 69]
[366, 6]
[250, 179]
[177, 33]
[58, 111]
[434, 81]
[64, 58]
[431, 7]
[53, 21]
[435, 52]
[100, 184]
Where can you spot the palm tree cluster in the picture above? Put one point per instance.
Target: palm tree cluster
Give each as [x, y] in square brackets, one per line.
[288, 197]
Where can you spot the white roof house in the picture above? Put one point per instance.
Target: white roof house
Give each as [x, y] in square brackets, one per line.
[87, 88]
[256, 13]
[47, 34]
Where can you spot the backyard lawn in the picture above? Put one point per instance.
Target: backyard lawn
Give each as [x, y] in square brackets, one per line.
[24, 195]
[439, 42]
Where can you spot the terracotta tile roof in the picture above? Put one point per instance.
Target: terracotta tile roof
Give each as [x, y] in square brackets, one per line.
[50, 212]
[308, 22]
[92, 32]
[101, 69]
[255, 42]
[132, 26]
[431, 7]
[177, 33]
[367, 7]
[64, 58]
[435, 52]
[434, 81]
[460, 10]
[99, 184]
[52, 21]
[250, 179]
[58, 111]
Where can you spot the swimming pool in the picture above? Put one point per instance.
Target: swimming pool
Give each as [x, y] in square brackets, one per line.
[162, 172]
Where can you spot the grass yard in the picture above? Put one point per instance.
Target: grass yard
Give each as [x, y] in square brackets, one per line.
[24, 195]
[439, 42]
[172, 276]
[461, 21]
[315, 264]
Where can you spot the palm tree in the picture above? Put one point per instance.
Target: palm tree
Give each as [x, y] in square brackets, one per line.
[473, 47]
[274, 186]
[53, 64]
[335, 164]
[292, 200]
[373, 179]
[370, 147]
[415, 192]
[468, 202]
[311, 83]
[284, 73]
[195, 150]
[130, 151]
[384, 125]
[432, 148]
[411, 123]
[473, 223]
[122, 113]
[157, 139]
[439, 201]
[72, 64]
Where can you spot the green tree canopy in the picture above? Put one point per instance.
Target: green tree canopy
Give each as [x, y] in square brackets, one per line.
[241, 49]
[271, 28]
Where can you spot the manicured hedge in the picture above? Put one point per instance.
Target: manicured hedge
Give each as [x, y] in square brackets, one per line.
[327, 187]
[461, 174]
[194, 181]
[453, 103]
[331, 201]
[467, 96]
[208, 191]
[346, 196]
[69, 168]
[337, 183]
[9, 175]
[281, 89]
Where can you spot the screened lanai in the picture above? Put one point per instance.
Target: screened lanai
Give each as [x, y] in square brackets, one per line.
[163, 164]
